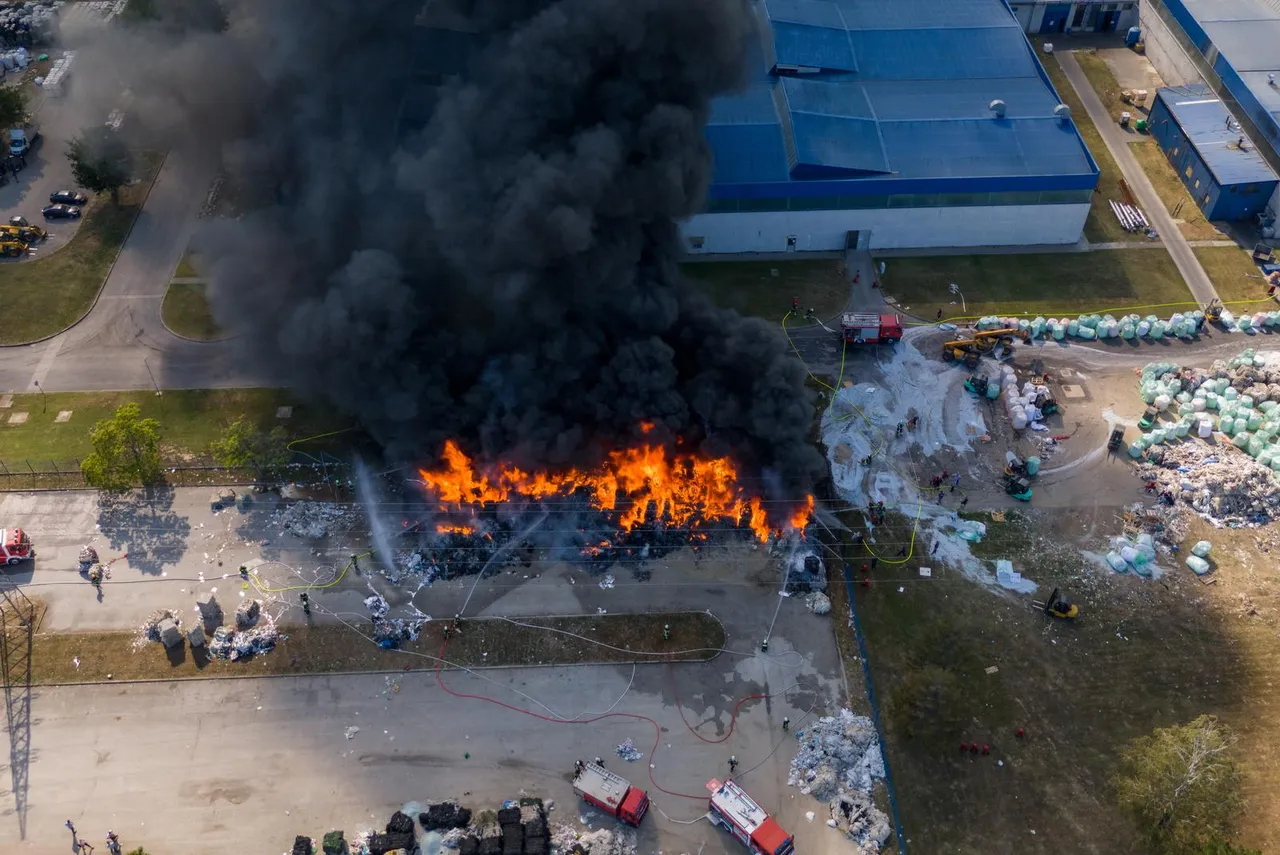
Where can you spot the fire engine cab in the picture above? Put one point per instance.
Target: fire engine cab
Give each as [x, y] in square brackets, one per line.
[737, 813]
[15, 546]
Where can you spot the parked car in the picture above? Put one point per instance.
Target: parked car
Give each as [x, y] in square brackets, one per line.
[61, 212]
[68, 197]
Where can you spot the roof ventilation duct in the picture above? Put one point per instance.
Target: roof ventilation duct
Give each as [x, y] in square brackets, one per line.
[998, 108]
[1063, 112]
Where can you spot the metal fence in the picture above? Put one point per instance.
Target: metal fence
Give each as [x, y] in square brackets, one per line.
[66, 472]
[875, 708]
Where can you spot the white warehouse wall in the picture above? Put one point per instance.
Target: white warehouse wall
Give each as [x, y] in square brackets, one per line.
[1164, 50]
[894, 228]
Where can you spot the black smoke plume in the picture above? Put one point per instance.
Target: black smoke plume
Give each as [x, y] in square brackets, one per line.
[505, 273]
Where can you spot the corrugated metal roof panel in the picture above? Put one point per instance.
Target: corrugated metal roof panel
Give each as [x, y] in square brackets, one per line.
[974, 149]
[818, 13]
[942, 54]
[752, 106]
[816, 47]
[1203, 118]
[745, 154]
[920, 14]
[958, 99]
[827, 98]
[837, 143]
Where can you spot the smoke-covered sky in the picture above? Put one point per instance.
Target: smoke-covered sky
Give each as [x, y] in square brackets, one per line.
[506, 274]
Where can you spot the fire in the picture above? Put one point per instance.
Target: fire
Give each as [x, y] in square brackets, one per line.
[685, 490]
[450, 528]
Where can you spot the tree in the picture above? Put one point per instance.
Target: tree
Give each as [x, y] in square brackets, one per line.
[13, 107]
[244, 444]
[101, 161]
[126, 451]
[1181, 786]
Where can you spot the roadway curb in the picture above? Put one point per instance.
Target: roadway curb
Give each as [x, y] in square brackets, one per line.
[170, 329]
[384, 671]
[97, 296]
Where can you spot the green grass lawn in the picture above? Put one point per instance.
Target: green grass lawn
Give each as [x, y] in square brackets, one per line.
[1235, 276]
[189, 420]
[45, 296]
[1104, 83]
[186, 267]
[1050, 284]
[752, 288]
[1102, 225]
[185, 311]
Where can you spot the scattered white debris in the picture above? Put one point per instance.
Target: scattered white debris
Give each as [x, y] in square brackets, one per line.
[603, 841]
[838, 758]
[318, 519]
[350, 732]
[627, 751]
[607, 582]
[818, 603]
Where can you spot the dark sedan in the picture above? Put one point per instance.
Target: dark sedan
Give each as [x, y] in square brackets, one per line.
[61, 212]
[68, 197]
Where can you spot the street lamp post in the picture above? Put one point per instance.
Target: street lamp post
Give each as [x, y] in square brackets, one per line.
[955, 289]
[44, 400]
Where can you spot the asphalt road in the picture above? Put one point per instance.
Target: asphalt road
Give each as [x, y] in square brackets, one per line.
[122, 344]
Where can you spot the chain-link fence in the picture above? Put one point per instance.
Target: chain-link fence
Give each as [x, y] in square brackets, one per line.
[53, 474]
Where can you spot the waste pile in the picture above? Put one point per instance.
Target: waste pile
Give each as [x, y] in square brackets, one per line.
[235, 645]
[317, 519]
[334, 843]
[818, 603]
[303, 845]
[1198, 560]
[805, 573]
[162, 625]
[567, 840]
[628, 751]
[856, 815]
[1221, 484]
[28, 23]
[1233, 483]
[840, 755]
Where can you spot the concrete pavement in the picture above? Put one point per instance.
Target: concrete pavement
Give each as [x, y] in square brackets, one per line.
[122, 343]
[1116, 140]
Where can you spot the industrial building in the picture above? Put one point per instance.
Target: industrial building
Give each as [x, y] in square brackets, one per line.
[886, 124]
[1234, 47]
[1081, 16]
[1221, 168]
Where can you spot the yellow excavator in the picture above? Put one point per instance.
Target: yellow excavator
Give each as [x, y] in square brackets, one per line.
[28, 234]
[12, 248]
[970, 350]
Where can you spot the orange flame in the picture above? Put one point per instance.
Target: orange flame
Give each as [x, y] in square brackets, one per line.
[685, 490]
[450, 528]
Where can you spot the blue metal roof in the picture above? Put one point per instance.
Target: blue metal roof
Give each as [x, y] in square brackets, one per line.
[1204, 121]
[892, 90]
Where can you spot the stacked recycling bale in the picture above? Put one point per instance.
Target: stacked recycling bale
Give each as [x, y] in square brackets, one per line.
[444, 816]
[302, 845]
[469, 845]
[1137, 555]
[512, 831]
[490, 833]
[533, 821]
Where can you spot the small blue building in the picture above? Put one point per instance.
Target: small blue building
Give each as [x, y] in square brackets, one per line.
[1226, 176]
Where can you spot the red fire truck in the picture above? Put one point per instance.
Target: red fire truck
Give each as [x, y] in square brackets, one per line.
[870, 328]
[612, 793]
[15, 546]
[737, 813]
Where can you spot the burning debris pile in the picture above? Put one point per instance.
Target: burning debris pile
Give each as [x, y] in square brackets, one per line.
[638, 487]
[838, 758]
[388, 632]
[315, 520]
